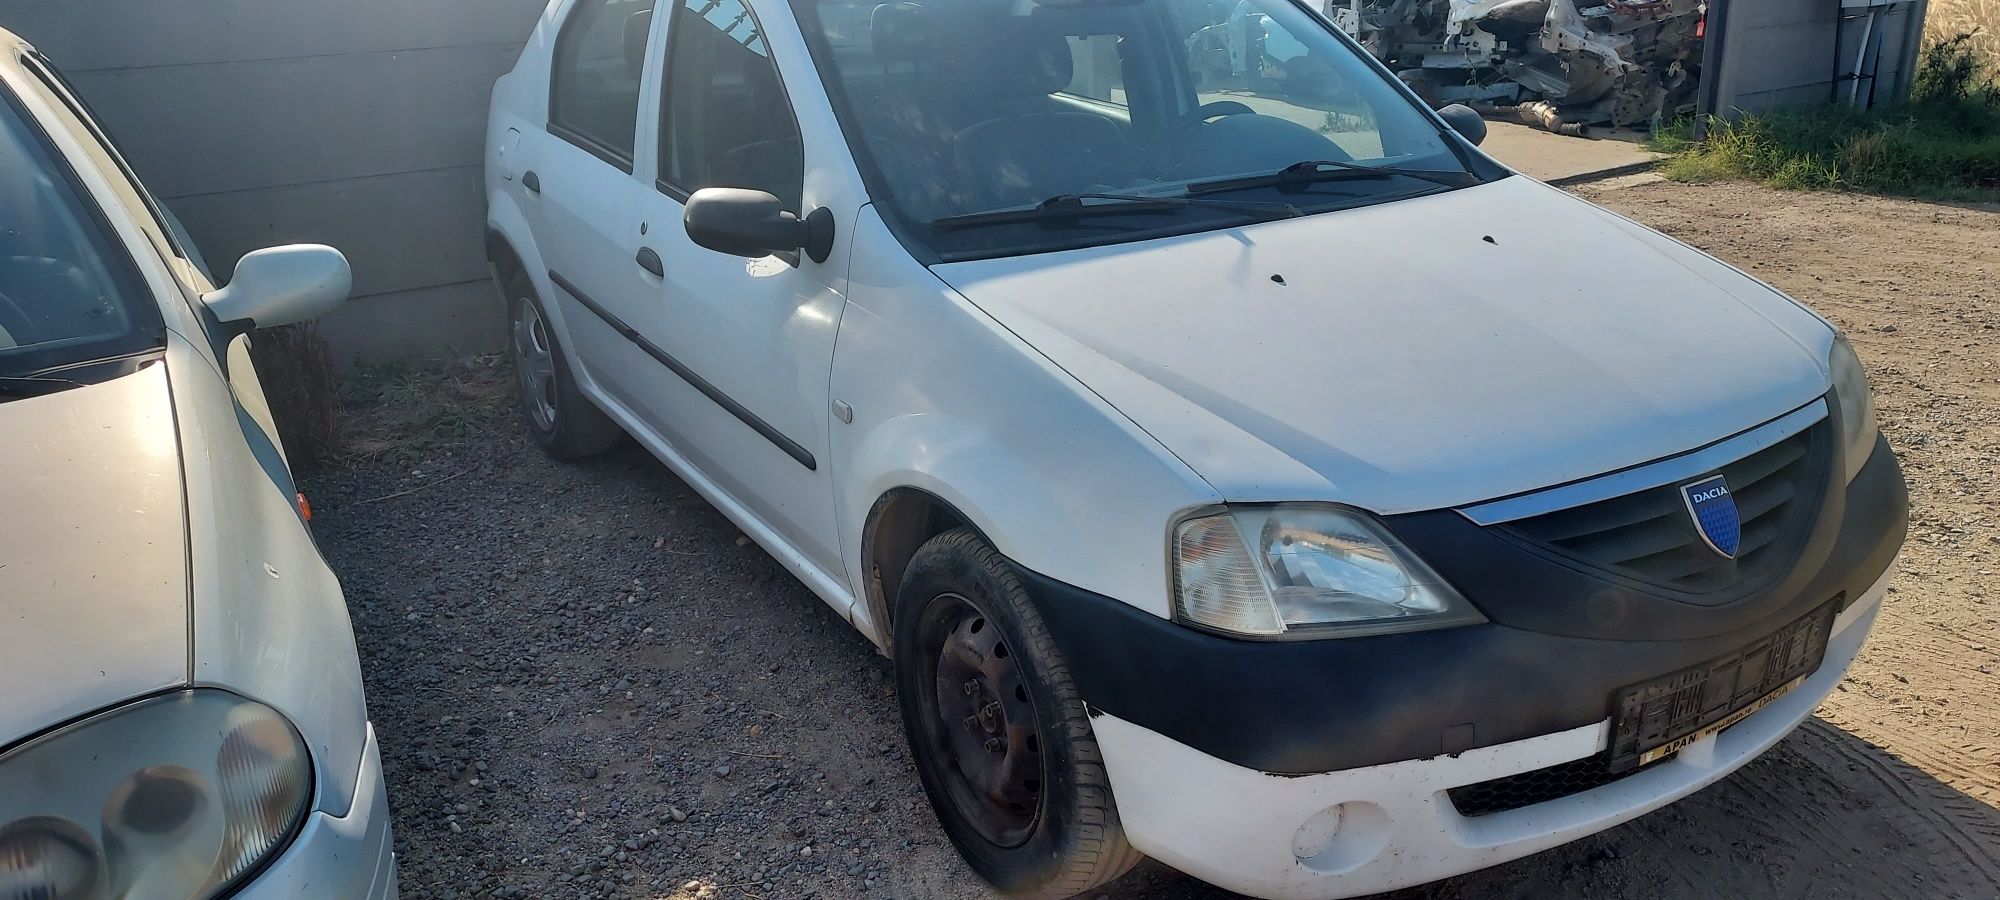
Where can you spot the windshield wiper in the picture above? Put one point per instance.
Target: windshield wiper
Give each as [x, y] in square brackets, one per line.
[33, 385]
[1322, 170]
[1071, 206]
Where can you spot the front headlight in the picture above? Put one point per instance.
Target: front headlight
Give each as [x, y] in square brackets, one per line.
[1305, 571]
[1857, 406]
[169, 798]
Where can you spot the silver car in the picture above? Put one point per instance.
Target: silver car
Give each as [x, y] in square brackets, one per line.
[184, 715]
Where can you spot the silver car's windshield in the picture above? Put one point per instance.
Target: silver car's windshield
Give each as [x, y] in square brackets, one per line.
[963, 107]
[68, 292]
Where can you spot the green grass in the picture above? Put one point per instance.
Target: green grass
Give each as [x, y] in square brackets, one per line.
[1942, 144]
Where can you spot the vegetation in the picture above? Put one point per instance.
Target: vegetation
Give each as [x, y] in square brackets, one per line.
[395, 407]
[1978, 18]
[296, 369]
[1944, 143]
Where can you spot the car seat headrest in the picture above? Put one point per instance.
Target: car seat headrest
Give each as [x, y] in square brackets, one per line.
[1036, 54]
[902, 32]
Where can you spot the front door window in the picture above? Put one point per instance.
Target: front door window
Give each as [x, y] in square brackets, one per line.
[728, 121]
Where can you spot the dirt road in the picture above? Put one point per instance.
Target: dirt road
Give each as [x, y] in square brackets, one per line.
[588, 685]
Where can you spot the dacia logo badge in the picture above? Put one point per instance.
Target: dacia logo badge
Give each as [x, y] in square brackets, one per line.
[1713, 509]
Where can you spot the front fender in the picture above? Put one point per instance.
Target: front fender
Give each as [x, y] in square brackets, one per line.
[981, 476]
[269, 619]
[946, 401]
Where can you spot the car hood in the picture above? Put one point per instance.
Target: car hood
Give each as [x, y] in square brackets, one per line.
[1415, 355]
[93, 552]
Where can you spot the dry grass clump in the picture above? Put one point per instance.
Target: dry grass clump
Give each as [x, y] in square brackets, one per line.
[1978, 18]
[295, 367]
[400, 406]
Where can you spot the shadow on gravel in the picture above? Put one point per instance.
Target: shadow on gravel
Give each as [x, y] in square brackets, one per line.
[588, 684]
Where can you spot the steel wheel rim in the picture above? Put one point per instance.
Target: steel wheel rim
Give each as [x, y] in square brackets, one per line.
[980, 720]
[535, 363]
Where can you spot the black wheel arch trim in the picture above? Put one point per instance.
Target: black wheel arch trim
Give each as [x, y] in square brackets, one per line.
[1308, 707]
[792, 448]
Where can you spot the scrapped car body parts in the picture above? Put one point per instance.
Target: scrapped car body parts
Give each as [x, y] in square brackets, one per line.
[1556, 64]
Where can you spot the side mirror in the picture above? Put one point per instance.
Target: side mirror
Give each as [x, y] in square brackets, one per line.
[281, 286]
[1467, 123]
[750, 223]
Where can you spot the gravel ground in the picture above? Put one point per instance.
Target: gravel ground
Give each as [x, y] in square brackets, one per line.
[587, 683]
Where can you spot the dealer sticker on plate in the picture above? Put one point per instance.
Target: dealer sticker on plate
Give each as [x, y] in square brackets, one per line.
[1662, 717]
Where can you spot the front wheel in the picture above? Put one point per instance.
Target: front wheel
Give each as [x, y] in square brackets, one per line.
[1000, 738]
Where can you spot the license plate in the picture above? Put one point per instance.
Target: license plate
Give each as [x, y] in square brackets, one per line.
[1664, 716]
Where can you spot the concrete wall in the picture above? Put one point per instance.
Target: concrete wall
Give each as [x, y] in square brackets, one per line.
[356, 123]
[1792, 53]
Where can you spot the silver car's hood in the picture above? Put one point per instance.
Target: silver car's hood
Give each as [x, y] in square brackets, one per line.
[1415, 355]
[93, 553]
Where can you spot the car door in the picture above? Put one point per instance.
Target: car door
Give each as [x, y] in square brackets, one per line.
[579, 178]
[742, 347]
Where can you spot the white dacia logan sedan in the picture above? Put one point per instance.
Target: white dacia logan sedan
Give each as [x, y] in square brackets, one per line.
[183, 716]
[1241, 468]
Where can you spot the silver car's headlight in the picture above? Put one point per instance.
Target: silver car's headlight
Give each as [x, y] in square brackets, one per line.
[1301, 571]
[1857, 406]
[169, 798]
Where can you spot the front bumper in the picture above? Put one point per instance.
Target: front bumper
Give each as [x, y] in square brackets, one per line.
[347, 857]
[1266, 835]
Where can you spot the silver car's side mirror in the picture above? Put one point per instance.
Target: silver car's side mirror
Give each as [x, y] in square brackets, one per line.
[281, 286]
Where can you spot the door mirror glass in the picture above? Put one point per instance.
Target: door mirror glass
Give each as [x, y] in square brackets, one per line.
[742, 222]
[281, 286]
[1467, 123]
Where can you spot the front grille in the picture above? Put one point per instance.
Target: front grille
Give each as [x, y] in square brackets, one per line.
[1649, 537]
[1540, 786]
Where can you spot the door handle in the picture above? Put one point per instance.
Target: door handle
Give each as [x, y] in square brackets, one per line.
[532, 182]
[650, 261]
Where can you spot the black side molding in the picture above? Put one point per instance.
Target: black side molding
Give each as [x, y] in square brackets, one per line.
[791, 447]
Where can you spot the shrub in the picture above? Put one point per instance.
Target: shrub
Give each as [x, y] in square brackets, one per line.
[295, 366]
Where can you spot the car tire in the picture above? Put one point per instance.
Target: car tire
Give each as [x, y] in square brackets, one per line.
[1001, 739]
[567, 424]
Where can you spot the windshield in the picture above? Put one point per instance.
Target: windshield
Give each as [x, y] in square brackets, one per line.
[68, 292]
[963, 107]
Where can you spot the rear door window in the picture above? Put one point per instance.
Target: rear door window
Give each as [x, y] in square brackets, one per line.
[599, 58]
